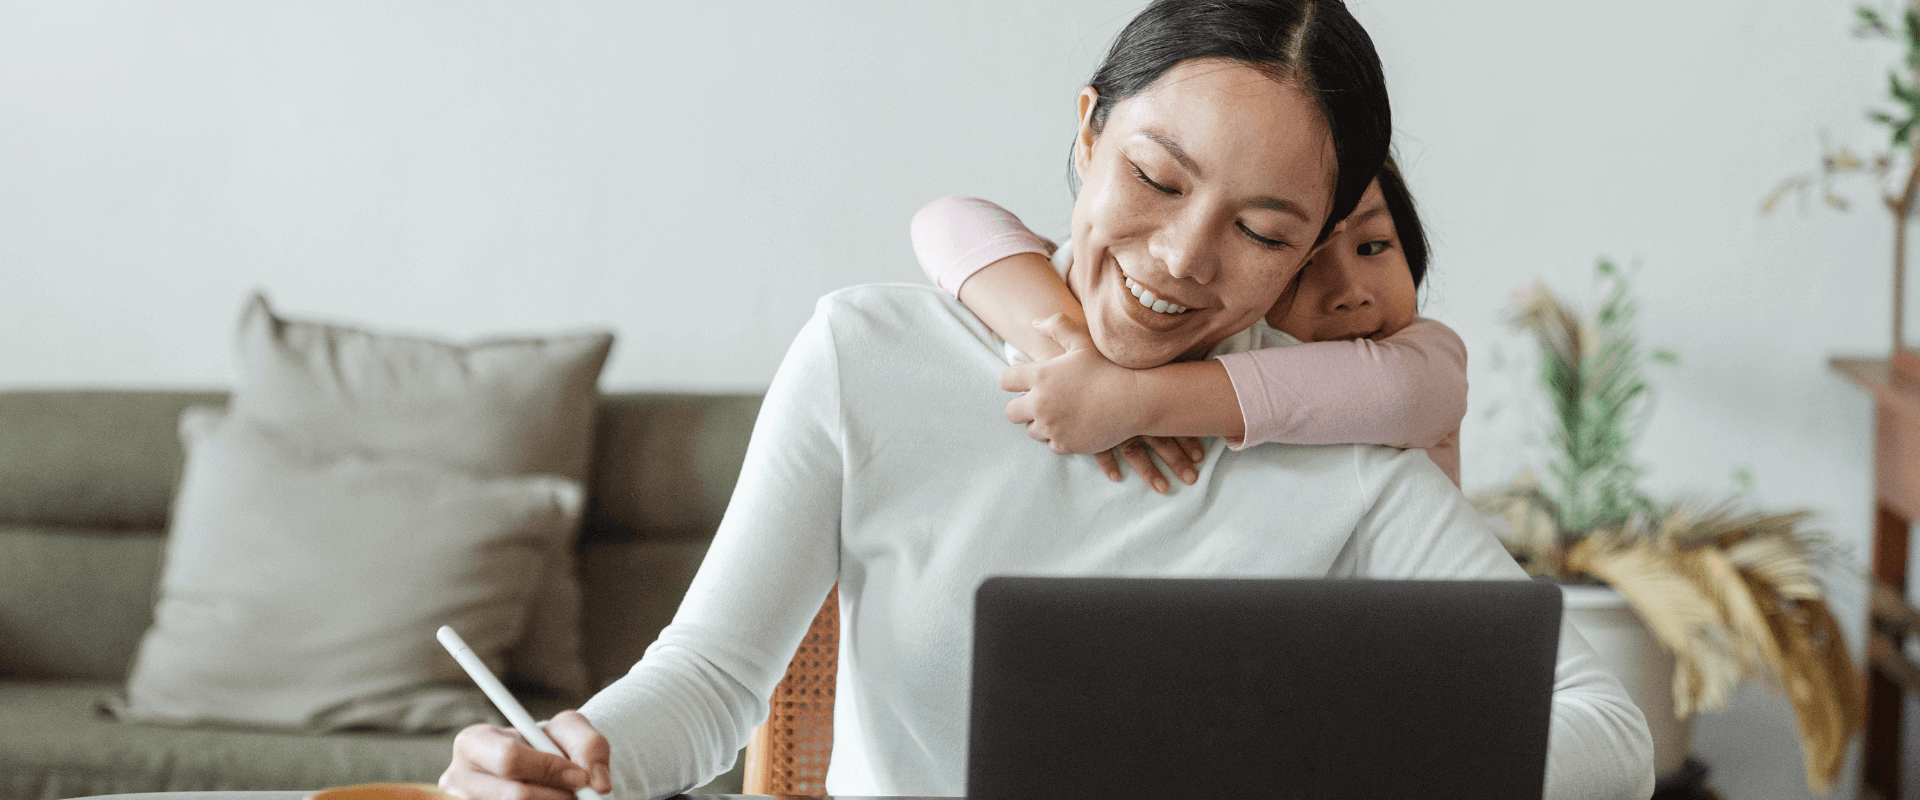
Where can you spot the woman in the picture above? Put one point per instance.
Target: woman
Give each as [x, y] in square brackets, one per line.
[1270, 119]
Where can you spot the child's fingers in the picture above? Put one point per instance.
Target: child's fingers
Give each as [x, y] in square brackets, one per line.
[1068, 332]
[1135, 454]
[1109, 464]
[1175, 457]
[1196, 452]
[1018, 378]
[1020, 410]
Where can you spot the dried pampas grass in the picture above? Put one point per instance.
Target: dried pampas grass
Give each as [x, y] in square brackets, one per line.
[1735, 595]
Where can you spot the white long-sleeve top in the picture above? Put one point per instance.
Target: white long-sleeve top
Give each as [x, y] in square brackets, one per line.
[882, 459]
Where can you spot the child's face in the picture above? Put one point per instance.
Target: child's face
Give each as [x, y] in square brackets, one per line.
[1356, 285]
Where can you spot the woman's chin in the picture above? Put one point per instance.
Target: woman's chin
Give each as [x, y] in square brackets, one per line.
[1128, 346]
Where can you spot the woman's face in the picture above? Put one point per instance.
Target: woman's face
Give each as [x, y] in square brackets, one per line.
[1199, 201]
[1356, 286]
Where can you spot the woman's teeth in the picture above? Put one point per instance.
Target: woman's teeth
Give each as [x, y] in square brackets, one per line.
[1147, 299]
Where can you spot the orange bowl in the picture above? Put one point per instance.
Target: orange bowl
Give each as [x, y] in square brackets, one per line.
[382, 791]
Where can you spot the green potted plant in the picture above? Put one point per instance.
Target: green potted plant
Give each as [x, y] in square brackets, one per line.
[1685, 600]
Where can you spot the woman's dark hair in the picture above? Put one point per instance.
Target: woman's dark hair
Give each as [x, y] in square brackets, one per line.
[1406, 219]
[1314, 44]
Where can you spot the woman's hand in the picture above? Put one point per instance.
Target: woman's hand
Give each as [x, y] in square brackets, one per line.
[494, 763]
[1080, 402]
[1182, 454]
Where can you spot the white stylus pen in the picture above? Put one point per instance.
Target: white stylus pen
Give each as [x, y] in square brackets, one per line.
[503, 699]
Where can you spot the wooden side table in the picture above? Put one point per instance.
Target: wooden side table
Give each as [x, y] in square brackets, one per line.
[1895, 384]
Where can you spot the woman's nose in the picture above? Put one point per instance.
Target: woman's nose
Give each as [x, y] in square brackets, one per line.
[1184, 251]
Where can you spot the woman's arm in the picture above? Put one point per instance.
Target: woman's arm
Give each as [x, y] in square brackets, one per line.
[679, 717]
[1419, 527]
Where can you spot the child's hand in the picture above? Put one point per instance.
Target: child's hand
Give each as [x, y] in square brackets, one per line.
[1182, 454]
[1077, 402]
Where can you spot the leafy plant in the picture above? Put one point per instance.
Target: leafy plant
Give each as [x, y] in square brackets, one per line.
[1592, 376]
[1903, 87]
[1732, 594]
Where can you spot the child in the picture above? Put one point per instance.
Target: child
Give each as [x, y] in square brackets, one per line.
[1374, 373]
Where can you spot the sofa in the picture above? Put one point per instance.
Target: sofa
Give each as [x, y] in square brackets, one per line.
[86, 478]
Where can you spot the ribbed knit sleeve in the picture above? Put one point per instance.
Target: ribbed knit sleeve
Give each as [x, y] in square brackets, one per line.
[678, 718]
[1419, 528]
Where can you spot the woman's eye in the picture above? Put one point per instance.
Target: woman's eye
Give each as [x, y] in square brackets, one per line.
[1149, 181]
[1372, 248]
[1276, 244]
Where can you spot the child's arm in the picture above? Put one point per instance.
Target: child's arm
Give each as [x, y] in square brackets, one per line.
[1407, 390]
[958, 239]
[983, 255]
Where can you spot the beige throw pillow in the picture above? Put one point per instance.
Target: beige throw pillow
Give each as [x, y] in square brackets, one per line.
[302, 587]
[494, 408]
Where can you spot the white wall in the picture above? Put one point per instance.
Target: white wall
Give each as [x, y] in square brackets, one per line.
[1540, 136]
[692, 175]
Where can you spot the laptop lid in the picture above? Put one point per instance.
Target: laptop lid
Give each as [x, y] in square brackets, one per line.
[1119, 688]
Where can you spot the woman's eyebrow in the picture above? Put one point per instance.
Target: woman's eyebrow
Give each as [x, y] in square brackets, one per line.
[1174, 149]
[1180, 154]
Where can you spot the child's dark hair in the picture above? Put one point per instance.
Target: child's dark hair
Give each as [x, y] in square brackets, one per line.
[1406, 219]
[1314, 44]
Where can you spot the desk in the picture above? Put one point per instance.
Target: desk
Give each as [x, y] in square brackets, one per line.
[298, 795]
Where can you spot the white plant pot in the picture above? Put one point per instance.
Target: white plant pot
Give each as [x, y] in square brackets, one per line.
[1628, 650]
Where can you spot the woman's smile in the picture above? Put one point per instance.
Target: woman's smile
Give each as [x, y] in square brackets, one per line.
[1157, 302]
[1143, 315]
[1198, 199]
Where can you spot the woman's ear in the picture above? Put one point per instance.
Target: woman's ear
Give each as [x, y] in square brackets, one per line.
[1083, 140]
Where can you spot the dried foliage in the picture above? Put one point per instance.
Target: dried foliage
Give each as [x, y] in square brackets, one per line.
[1735, 595]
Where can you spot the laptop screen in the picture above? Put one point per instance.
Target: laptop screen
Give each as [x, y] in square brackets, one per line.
[1152, 687]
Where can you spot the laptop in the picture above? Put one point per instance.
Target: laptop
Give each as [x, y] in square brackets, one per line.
[1118, 688]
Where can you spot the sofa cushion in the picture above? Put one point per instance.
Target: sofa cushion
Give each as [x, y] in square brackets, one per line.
[97, 460]
[74, 601]
[495, 408]
[633, 590]
[60, 745]
[302, 587]
[75, 750]
[665, 464]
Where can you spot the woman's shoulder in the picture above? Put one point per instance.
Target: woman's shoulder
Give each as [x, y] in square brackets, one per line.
[900, 317]
[880, 302]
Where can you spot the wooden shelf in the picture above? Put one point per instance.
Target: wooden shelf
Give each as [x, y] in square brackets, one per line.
[1895, 385]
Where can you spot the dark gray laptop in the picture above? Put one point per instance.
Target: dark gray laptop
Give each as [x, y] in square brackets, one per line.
[1118, 688]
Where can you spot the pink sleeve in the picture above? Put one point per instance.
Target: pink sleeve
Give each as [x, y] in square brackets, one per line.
[955, 237]
[1407, 390]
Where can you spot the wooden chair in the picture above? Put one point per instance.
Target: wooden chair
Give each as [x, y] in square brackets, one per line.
[789, 754]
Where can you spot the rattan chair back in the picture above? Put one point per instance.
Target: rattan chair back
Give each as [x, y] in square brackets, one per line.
[789, 754]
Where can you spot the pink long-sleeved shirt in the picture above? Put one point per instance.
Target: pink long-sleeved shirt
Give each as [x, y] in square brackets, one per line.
[1406, 390]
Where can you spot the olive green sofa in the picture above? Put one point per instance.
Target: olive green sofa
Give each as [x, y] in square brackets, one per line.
[85, 482]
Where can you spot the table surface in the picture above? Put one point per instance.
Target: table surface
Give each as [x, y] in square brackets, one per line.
[299, 795]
